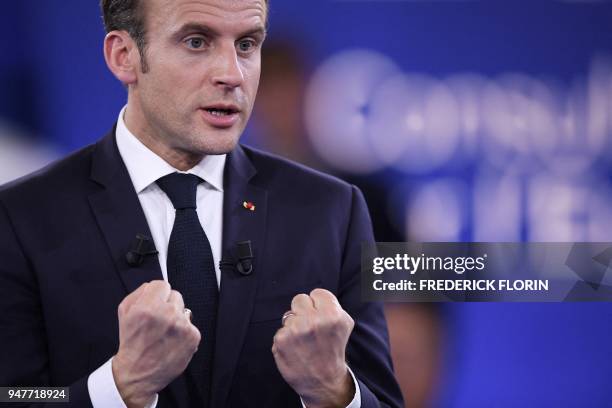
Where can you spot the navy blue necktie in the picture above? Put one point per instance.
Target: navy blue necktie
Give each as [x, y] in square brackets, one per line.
[191, 271]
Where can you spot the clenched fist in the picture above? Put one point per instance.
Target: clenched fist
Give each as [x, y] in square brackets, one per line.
[156, 342]
[310, 348]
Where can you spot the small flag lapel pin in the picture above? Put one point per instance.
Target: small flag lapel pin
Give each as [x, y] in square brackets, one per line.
[248, 205]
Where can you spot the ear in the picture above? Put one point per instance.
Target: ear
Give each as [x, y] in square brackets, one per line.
[122, 57]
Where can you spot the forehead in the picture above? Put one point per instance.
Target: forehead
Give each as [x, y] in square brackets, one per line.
[172, 14]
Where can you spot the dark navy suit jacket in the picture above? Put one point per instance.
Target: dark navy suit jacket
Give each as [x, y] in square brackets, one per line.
[64, 235]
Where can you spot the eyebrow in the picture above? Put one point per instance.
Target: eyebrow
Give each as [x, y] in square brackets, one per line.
[193, 28]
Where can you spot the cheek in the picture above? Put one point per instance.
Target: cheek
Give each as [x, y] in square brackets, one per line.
[172, 93]
[170, 77]
[252, 71]
[154, 85]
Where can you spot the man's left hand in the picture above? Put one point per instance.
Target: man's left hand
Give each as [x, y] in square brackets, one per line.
[310, 348]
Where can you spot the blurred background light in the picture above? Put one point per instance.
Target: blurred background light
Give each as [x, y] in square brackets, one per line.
[338, 108]
[435, 212]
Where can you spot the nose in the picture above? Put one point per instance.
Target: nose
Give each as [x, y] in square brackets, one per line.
[227, 71]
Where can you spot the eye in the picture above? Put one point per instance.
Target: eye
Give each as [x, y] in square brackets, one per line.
[195, 42]
[246, 45]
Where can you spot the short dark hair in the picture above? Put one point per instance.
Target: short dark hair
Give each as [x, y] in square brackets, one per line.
[127, 15]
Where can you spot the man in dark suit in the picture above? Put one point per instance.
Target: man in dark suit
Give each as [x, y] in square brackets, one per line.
[166, 265]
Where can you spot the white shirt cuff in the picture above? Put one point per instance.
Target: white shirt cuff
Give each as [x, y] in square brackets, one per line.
[356, 402]
[102, 389]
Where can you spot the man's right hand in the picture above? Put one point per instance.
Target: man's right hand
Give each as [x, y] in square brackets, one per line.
[156, 342]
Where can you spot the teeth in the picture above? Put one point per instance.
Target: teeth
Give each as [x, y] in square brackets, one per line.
[219, 112]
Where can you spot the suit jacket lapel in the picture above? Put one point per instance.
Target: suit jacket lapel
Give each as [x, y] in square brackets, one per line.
[120, 217]
[237, 291]
[119, 214]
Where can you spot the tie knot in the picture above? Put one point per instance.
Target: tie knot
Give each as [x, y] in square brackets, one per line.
[180, 189]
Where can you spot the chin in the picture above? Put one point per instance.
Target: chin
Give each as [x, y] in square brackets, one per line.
[218, 147]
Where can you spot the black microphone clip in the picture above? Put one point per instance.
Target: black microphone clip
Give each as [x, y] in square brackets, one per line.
[141, 247]
[244, 263]
[245, 258]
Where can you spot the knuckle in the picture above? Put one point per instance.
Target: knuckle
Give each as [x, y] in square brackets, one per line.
[176, 294]
[299, 297]
[308, 329]
[176, 324]
[321, 293]
[345, 326]
[316, 292]
[166, 311]
[146, 314]
[122, 309]
[328, 325]
[154, 284]
[175, 328]
[348, 317]
[331, 322]
[351, 326]
[188, 337]
[140, 289]
[159, 285]
[176, 319]
[350, 323]
[335, 315]
[149, 315]
[139, 312]
[196, 337]
[311, 331]
[280, 338]
[276, 350]
[315, 322]
[342, 319]
[137, 292]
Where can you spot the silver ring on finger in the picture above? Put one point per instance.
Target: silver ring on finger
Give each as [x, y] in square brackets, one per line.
[286, 315]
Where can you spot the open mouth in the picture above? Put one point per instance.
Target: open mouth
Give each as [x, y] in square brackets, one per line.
[221, 116]
[220, 112]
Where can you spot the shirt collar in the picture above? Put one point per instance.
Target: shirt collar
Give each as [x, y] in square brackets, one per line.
[146, 167]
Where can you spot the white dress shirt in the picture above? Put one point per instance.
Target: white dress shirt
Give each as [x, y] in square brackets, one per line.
[145, 168]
